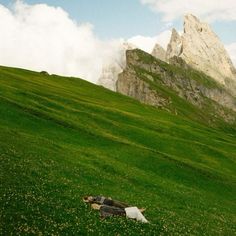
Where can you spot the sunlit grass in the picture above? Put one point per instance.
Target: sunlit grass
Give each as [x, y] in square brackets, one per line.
[63, 138]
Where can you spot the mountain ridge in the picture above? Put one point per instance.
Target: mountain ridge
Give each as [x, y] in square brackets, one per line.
[202, 49]
[145, 76]
[198, 46]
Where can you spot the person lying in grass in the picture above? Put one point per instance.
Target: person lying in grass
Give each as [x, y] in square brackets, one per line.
[109, 207]
[105, 201]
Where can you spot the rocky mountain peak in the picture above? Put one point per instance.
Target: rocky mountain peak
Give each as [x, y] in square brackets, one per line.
[201, 48]
[159, 52]
[145, 77]
[192, 22]
[174, 48]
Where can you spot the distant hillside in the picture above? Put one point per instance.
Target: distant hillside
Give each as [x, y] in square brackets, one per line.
[177, 88]
[197, 46]
[63, 138]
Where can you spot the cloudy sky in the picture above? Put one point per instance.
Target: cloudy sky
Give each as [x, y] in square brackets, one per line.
[77, 37]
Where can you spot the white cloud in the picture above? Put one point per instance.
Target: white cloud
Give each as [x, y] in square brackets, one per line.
[164, 38]
[147, 43]
[143, 42]
[231, 48]
[40, 37]
[211, 10]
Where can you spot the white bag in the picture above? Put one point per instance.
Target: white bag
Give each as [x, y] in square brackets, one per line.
[134, 213]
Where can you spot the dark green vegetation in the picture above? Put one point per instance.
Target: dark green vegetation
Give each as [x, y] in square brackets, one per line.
[62, 138]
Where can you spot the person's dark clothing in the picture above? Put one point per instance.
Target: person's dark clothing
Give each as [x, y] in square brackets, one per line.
[109, 202]
[107, 211]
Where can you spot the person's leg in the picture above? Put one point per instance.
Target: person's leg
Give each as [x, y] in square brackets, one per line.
[120, 204]
[106, 211]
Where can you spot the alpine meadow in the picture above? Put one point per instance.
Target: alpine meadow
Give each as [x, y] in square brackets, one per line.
[62, 138]
[118, 118]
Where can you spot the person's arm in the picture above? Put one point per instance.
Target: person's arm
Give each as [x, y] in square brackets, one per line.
[120, 204]
[95, 206]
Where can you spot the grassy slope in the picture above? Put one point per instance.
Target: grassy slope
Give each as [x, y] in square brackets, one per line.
[62, 138]
[208, 113]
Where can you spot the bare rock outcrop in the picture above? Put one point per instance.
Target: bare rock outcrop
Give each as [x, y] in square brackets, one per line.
[201, 48]
[159, 52]
[130, 84]
[146, 79]
[175, 47]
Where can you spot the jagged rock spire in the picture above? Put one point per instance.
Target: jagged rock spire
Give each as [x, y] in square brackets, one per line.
[174, 48]
[159, 52]
[201, 48]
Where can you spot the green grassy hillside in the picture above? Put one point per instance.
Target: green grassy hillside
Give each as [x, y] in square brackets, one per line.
[63, 138]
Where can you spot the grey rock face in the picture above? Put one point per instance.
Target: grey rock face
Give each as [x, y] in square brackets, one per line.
[129, 84]
[159, 52]
[200, 47]
[141, 85]
[175, 47]
[198, 91]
